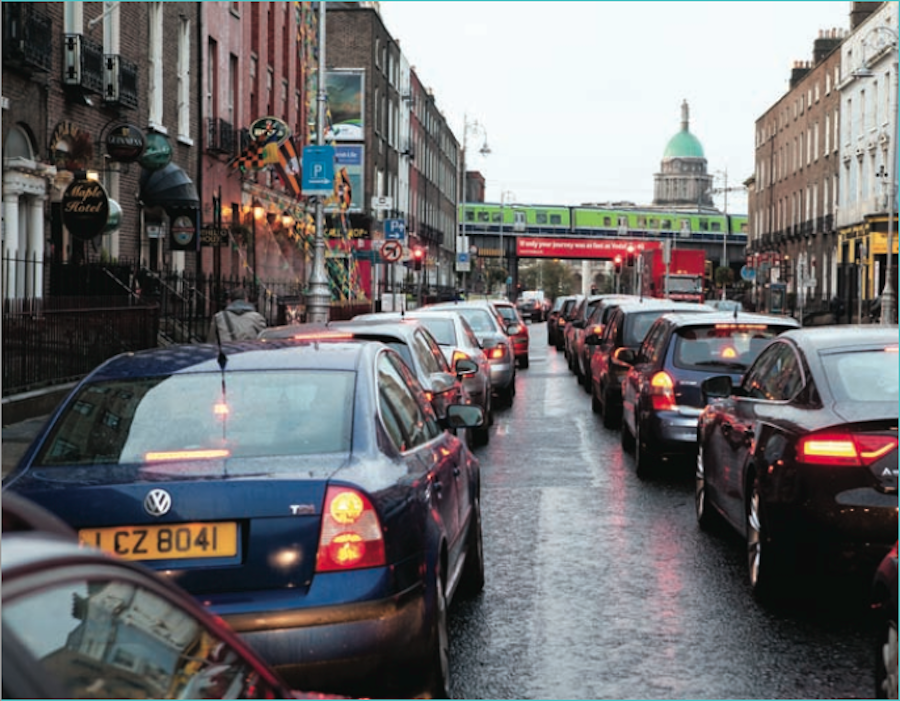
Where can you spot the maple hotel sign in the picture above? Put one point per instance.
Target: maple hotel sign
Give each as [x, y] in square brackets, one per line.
[85, 208]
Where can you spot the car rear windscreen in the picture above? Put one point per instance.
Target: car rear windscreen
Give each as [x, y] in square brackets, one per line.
[864, 376]
[722, 346]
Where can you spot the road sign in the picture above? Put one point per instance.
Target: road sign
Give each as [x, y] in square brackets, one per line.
[382, 202]
[463, 262]
[748, 274]
[318, 170]
[394, 229]
[391, 251]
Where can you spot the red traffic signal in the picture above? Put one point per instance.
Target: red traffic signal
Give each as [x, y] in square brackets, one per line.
[418, 257]
[617, 262]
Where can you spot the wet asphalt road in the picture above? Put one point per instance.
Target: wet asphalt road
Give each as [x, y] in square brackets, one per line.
[601, 586]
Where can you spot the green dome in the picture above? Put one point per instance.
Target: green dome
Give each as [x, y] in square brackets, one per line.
[684, 145]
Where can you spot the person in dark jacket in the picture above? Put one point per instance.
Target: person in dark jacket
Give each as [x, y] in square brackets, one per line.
[239, 321]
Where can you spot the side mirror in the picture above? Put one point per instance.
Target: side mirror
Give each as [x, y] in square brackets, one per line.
[716, 387]
[463, 416]
[464, 367]
[512, 329]
[625, 356]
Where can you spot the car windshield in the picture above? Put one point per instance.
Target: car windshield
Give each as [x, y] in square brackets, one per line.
[480, 320]
[863, 376]
[442, 329]
[728, 346]
[203, 416]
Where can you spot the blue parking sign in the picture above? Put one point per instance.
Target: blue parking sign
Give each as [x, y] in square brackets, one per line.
[318, 170]
[394, 229]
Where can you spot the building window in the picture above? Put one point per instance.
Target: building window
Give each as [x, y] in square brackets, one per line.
[212, 95]
[155, 100]
[184, 78]
[233, 89]
[827, 83]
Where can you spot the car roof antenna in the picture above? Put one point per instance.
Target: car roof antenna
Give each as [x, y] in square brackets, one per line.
[222, 359]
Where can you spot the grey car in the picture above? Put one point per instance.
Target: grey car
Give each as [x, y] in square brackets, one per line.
[495, 339]
[456, 340]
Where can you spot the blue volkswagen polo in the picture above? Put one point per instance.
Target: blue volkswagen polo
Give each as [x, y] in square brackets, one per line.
[302, 490]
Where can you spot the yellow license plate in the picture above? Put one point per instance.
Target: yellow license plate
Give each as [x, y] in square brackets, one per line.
[169, 542]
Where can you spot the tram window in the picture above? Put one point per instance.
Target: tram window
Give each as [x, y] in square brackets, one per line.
[642, 222]
[716, 226]
[704, 225]
[665, 223]
[540, 217]
[555, 219]
[607, 221]
[470, 215]
[484, 217]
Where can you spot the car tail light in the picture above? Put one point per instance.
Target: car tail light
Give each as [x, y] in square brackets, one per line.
[496, 353]
[662, 392]
[561, 322]
[844, 449]
[429, 395]
[597, 330]
[351, 532]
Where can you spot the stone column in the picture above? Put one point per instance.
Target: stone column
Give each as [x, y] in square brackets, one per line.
[35, 246]
[10, 241]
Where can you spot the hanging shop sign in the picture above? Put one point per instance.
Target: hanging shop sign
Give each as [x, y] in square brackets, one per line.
[125, 143]
[85, 209]
[157, 151]
[269, 130]
[183, 230]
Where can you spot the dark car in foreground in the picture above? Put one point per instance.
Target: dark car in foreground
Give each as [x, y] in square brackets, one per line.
[884, 608]
[800, 458]
[303, 490]
[81, 623]
[561, 306]
[625, 330]
[661, 398]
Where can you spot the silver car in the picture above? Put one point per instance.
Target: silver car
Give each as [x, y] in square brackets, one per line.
[456, 340]
[494, 337]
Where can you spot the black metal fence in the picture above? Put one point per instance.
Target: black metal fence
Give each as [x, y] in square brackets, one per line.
[87, 313]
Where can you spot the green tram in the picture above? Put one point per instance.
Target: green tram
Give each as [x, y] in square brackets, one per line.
[541, 220]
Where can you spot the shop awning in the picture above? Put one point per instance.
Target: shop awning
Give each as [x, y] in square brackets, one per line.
[168, 187]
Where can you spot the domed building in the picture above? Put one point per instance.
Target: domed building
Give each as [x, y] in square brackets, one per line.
[683, 182]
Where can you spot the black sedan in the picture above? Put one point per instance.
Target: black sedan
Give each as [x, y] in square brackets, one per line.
[81, 623]
[303, 490]
[801, 457]
[884, 606]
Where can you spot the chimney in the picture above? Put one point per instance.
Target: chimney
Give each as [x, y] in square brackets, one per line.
[799, 71]
[860, 10]
[827, 42]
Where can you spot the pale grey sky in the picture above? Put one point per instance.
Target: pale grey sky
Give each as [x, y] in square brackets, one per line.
[579, 99]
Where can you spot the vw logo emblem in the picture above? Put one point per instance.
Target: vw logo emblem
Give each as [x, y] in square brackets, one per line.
[157, 502]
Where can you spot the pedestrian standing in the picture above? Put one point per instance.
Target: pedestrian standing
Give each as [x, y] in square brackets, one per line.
[239, 321]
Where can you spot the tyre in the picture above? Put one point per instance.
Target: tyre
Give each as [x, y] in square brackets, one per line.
[611, 417]
[471, 581]
[437, 680]
[885, 657]
[646, 460]
[627, 438]
[707, 517]
[523, 363]
[765, 565]
[481, 435]
[595, 402]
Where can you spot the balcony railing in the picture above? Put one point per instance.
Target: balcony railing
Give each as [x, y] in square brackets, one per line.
[84, 63]
[121, 81]
[27, 37]
[220, 136]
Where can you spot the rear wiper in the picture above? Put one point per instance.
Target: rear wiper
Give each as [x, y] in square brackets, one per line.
[720, 364]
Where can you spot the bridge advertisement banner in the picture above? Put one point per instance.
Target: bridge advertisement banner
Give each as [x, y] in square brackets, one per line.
[581, 248]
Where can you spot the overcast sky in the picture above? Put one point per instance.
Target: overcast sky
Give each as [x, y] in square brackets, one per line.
[579, 99]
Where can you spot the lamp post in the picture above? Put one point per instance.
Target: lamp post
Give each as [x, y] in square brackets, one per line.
[503, 262]
[474, 126]
[319, 295]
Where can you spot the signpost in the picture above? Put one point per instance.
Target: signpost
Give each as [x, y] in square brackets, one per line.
[394, 229]
[318, 171]
[391, 251]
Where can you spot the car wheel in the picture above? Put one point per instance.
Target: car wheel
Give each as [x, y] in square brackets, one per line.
[588, 381]
[886, 658]
[595, 402]
[523, 363]
[472, 579]
[627, 438]
[481, 435]
[611, 418]
[707, 517]
[645, 458]
[437, 685]
[764, 566]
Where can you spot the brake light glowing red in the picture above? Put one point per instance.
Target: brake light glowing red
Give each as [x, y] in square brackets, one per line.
[496, 353]
[351, 535]
[429, 396]
[662, 392]
[597, 330]
[844, 449]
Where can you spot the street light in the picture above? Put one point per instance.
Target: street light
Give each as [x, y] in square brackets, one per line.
[319, 295]
[474, 126]
[503, 263]
[888, 301]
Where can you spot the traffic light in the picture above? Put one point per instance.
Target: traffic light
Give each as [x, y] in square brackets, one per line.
[418, 257]
[617, 262]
